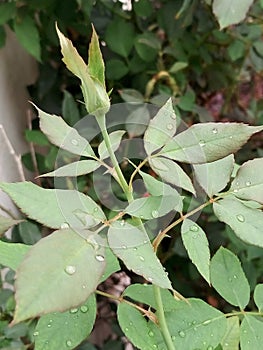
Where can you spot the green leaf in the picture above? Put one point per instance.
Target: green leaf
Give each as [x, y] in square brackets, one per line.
[115, 140]
[152, 207]
[228, 278]
[207, 142]
[192, 325]
[161, 128]
[231, 338]
[143, 334]
[195, 325]
[197, 246]
[213, 177]
[37, 137]
[120, 37]
[6, 223]
[96, 65]
[230, 12]
[112, 264]
[236, 50]
[131, 95]
[248, 183]
[62, 135]
[147, 46]
[54, 208]
[70, 110]
[258, 296]
[177, 66]
[143, 8]
[244, 221]
[95, 96]
[28, 35]
[171, 172]
[29, 232]
[74, 169]
[61, 265]
[251, 333]
[12, 254]
[7, 11]
[144, 293]
[137, 120]
[66, 330]
[134, 248]
[116, 69]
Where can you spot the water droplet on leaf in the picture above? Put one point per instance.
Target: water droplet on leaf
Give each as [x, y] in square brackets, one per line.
[155, 214]
[194, 228]
[70, 269]
[64, 225]
[73, 311]
[69, 343]
[248, 183]
[240, 218]
[151, 334]
[124, 247]
[202, 143]
[214, 131]
[99, 258]
[35, 334]
[74, 142]
[49, 325]
[84, 309]
[173, 338]
[122, 223]
[182, 334]
[149, 279]
[142, 258]
[169, 126]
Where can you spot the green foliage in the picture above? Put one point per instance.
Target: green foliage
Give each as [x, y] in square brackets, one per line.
[57, 276]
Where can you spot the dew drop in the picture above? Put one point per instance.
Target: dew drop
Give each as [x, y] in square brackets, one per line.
[99, 258]
[95, 210]
[35, 334]
[240, 218]
[154, 346]
[195, 329]
[248, 183]
[182, 334]
[214, 131]
[211, 335]
[151, 334]
[74, 142]
[64, 225]
[230, 279]
[235, 276]
[84, 309]
[149, 279]
[194, 228]
[69, 343]
[74, 311]
[193, 323]
[226, 344]
[173, 338]
[126, 329]
[145, 241]
[155, 214]
[210, 347]
[70, 269]
[49, 325]
[124, 247]
[236, 190]
[130, 323]
[122, 223]
[142, 258]
[169, 126]
[231, 137]
[202, 143]
[135, 249]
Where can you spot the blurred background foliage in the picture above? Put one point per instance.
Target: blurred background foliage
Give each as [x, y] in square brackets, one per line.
[152, 49]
